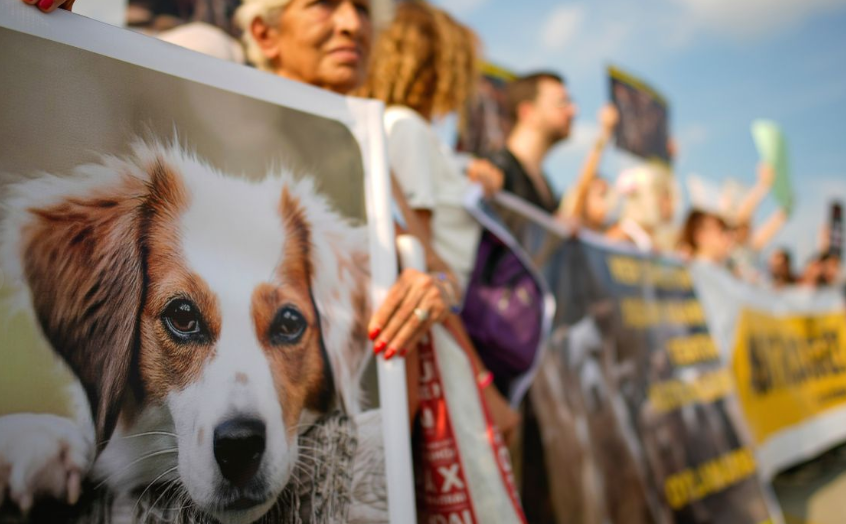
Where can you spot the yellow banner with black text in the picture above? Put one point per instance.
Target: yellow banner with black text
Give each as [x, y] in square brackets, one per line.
[789, 369]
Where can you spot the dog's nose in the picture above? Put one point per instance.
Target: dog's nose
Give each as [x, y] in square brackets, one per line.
[238, 448]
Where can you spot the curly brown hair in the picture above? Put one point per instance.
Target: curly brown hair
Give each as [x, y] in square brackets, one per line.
[424, 60]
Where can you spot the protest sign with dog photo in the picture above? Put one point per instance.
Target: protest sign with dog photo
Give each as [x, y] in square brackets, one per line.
[186, 247]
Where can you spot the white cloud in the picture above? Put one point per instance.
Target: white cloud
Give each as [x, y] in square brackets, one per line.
[747, 19]
[582, 35]
[562, 25]
[579, 36]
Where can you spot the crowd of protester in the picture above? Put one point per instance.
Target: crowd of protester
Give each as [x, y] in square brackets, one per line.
[423, 66]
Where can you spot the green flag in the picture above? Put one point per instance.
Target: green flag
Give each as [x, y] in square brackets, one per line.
[772, 148]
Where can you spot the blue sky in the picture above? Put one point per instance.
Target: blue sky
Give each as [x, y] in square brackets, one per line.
[721, 64]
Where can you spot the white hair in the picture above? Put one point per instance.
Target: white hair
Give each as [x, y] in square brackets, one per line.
[381, 13]
[640, 188]
[249, 10]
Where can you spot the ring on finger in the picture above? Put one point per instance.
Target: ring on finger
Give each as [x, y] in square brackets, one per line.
[421, 314]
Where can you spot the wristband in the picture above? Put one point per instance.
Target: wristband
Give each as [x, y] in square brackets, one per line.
[454, 307]
[484, 379]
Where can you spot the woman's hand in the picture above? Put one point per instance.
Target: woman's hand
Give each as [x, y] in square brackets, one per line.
[488, 175]
[48, 6]
[413, 305]
[450, 289]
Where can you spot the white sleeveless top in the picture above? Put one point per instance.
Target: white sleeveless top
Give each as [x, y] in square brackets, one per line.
[430, 178]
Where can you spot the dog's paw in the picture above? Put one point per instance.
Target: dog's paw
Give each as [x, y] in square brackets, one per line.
[42, 455]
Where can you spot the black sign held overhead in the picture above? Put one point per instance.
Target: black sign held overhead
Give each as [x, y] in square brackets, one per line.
[835, 231]
[644, 114]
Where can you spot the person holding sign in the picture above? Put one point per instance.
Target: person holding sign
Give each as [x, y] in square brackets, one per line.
[589, 204]
[540, 106]
[749, 242]
[420, 82]
[649, 198]
[328, 44]
[706, 237]
[438, 80]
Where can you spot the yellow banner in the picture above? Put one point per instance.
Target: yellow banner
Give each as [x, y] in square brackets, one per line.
[789, 369]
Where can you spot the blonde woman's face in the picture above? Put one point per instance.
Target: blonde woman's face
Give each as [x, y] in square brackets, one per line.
[666, 205]
[325, 43]
[597, 203]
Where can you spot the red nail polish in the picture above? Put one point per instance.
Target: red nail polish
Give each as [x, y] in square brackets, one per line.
[403, 352]
[379, 346]
[374, 333]
[45, 4]
[390, 353]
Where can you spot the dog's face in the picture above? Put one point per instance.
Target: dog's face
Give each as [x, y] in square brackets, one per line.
[177, 288]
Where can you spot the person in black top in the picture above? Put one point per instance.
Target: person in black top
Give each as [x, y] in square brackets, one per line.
[542, 112]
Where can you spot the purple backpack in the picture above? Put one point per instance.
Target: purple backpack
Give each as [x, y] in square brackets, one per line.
[503, 311]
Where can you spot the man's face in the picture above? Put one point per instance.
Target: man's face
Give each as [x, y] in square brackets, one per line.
[325, 43]
[553, 110]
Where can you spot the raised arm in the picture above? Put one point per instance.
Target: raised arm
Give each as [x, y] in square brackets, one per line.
[766, 177]
[575, 207]
[765, 233]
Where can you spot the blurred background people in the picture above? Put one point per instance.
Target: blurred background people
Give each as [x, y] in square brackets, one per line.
[822, 270]
[590, 203]
[780, 265]
[648, 197]
[706, 237]
[749, 241]
[542, 111]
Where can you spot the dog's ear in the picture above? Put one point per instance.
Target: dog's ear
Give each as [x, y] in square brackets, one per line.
[80, 255]
[340, 282]
[342, 291]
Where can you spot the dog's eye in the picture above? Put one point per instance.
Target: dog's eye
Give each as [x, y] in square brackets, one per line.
[288, 326]
[182, 318]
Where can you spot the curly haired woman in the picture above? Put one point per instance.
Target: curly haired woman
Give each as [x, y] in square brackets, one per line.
[424, 68]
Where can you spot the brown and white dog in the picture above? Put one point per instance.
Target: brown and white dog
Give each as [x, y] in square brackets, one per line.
[209, 320]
